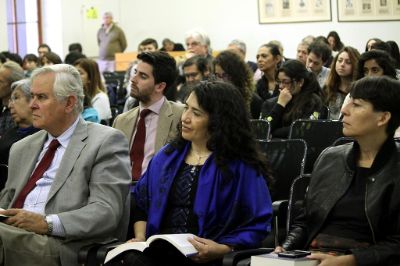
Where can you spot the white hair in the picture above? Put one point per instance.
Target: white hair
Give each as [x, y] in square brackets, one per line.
[67, 82]
[199, 35]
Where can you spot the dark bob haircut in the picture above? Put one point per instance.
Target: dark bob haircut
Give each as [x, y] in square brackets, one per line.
[384, 95]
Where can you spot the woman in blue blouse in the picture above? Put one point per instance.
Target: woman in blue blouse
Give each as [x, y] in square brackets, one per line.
[210, 181]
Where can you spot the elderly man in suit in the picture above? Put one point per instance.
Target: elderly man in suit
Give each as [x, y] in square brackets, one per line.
[68, 184]
[155, 74]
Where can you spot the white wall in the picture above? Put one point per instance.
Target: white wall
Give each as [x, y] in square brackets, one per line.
[224, 20]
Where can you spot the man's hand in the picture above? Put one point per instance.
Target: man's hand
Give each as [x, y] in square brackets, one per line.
[208, 249]
[23, 219]
[332, 260]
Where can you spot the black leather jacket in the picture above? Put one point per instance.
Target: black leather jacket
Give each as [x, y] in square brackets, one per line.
[332, 176]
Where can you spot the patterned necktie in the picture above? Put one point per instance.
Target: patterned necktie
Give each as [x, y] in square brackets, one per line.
[43, 165]
[137, 151]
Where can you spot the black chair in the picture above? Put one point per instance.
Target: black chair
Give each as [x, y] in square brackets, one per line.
[292, 208]
[3, 175]
[318, 134]
[287, 159]
[260, 128]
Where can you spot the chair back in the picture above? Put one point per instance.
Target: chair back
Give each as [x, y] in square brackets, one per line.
[260, 128]
[298, 191]
[318, 134]
[3, 175]
[287, 159]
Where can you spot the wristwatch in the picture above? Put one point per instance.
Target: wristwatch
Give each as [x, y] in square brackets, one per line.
[49, 221]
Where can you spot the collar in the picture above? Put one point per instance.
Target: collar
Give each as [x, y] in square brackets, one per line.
[382, 157]
[65, 137]
[155, 107]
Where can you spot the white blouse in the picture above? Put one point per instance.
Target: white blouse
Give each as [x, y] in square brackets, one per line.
[101, 103]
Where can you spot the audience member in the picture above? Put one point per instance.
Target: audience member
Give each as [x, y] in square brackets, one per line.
[395, 53]
[376, 63]
[302, 52]
[155, 73]
[226, 204]
[22, 115]
[75, 53]
[42, 49]
[299, 97]
[170, 46]
[351, 211]
[318, 54]
[343, 73]
[50, 58]
[231, 68]
[370, 42]
[75, 47]
[334, 42]
[111, 39]
[89, 113]
[30, 63]
[268, 58]
[198, 43]
[195, 69]
[94, 88]
[147, 45]
[9, 73]
[13, 57]
[77, 194]
[239, 46]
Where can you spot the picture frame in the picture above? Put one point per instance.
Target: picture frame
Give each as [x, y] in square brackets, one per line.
[292, 11]
[368, 10]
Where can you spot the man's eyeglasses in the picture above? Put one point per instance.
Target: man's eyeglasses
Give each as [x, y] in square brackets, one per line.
[284, 82]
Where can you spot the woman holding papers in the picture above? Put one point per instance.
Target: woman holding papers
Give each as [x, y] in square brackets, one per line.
[352, 205]
[210, 181]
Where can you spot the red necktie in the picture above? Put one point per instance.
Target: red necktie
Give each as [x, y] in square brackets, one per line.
[137, 151]
[43, 165]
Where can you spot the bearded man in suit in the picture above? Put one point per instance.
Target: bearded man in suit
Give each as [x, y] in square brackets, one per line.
[81, 196]
[155, 74]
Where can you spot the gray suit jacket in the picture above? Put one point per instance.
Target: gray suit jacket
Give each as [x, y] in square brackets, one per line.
[90, 192]
[170, 116]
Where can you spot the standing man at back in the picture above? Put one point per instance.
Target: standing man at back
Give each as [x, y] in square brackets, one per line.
[154, 122]
[111, 39]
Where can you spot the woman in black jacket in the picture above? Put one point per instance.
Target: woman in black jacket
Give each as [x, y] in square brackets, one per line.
[351, 212]
[299, 97]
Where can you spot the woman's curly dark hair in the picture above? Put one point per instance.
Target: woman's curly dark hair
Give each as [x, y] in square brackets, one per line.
[239, 73]
[229, 127]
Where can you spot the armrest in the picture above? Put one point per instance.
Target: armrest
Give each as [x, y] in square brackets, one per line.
[232, 258]
[87, 254]
[104, 249]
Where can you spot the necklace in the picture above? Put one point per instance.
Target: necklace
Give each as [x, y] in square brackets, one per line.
[199, 159]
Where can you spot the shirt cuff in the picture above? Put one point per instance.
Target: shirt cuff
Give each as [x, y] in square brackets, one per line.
[58, 228]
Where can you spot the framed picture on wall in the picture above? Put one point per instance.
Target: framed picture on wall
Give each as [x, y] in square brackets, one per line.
[289, 11]
[368, 10]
